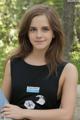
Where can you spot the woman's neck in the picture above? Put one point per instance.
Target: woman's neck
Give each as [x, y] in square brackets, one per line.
[36, 58]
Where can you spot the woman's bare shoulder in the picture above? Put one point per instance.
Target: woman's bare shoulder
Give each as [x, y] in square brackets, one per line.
[71, 72]
[70, 67]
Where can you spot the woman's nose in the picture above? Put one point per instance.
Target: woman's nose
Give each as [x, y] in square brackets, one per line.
[39, 34]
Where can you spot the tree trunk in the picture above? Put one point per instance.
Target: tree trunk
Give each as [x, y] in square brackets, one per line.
[68, 21]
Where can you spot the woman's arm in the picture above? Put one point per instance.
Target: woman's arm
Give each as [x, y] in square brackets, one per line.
[65, 112]
[6, 85]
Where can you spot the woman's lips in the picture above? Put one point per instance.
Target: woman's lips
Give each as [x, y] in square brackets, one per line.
[40, 41]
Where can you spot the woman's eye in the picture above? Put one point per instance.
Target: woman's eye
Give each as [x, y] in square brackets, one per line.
[32, 29]
[45, 29]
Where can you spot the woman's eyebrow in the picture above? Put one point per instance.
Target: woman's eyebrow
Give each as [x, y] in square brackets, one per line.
[37, 27]
[32, 27]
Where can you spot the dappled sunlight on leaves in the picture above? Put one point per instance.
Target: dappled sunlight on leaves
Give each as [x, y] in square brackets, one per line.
[8, 49]
[75, 57]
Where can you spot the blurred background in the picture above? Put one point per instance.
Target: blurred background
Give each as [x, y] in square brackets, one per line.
[11, 12]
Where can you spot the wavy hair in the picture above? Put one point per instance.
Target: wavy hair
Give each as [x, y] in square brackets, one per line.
[54, 54]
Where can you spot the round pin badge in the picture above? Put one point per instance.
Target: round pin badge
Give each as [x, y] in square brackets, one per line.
[29, 104]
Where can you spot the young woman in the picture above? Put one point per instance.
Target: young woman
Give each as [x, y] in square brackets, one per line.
[39, 84]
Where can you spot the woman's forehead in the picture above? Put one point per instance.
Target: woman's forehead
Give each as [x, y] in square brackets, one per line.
[40, 20]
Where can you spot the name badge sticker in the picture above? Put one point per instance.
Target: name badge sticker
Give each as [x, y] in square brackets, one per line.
[31, 89]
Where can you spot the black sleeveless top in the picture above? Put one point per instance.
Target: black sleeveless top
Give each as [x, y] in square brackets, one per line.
[32, 88]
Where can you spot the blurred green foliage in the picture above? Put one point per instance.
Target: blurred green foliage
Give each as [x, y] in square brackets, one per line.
[75, 57]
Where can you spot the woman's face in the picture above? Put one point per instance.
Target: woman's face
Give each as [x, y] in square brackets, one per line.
[40, 33]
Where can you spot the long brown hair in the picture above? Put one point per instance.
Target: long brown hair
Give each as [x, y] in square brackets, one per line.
[55, 51]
